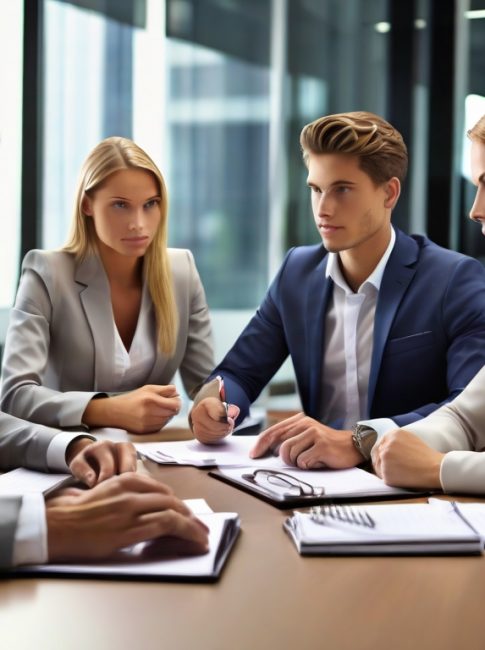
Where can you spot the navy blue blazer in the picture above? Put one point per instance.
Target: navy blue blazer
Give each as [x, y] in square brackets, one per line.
[429, 331]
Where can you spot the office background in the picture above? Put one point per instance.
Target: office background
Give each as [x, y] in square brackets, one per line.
[217, 92]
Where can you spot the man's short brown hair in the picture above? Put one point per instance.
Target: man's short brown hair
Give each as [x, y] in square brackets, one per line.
[477, 132]
[378, 145]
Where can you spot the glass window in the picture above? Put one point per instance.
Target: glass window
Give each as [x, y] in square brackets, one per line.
[11, 32]
[472, 242]
[202, 114]
[337, 61]
[218, 115]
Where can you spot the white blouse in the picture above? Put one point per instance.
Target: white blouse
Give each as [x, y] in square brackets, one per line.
[132, 368]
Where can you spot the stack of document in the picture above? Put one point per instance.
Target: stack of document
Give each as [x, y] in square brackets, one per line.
[231, 451]
[160, 559]
[166, 559]
[436, 527]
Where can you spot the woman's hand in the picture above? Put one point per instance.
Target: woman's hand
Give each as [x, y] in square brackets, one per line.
[144, 410]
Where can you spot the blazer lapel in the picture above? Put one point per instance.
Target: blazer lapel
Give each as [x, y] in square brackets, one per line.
[319, 293]
[398, 274]
[96, 301]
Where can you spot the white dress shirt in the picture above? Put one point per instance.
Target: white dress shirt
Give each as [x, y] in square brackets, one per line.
[131, 368]
[30, 542]
[349, 332]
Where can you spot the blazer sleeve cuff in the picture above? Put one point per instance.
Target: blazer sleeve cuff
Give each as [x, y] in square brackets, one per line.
[56, 451]
[463, 471]
[72, 410]
[380, 425]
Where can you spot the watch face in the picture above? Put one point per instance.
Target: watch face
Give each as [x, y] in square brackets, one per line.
[364, 440]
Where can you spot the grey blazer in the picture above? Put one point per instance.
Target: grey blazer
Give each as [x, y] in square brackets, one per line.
[9, 512]
[23, 444]
[60, 344]
[458, 430]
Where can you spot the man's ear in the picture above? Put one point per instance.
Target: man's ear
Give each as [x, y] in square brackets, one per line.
[393, 191]
[87, 206]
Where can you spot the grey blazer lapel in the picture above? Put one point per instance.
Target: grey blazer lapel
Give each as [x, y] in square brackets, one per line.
[96, 301]
[398, 274]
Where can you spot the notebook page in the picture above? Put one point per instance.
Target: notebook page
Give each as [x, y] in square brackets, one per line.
[353, 481]
[394, 523]
[25, 481]
[475, 514]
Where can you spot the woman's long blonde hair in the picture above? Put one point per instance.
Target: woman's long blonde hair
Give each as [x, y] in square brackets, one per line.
[109, 156]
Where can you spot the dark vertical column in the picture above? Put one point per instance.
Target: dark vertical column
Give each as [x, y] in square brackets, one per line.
[402, 14]
[441, 128]
[32, 118]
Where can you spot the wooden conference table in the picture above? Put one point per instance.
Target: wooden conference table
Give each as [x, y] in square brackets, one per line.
[267, 597]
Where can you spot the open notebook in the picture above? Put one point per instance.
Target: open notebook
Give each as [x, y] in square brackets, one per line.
[437, 527]
[161, 560]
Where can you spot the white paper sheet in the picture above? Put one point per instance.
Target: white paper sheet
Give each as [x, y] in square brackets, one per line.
[232, 451]
[25, 481]
[337, 483]
[475, 514]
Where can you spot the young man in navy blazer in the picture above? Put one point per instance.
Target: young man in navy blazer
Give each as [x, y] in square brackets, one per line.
[378, 324]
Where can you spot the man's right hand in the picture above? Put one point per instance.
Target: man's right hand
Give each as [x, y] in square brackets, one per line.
[211, 422]
[121, 511]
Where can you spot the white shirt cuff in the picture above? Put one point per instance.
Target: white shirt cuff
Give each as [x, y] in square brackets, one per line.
[56, 451]
[380, 425]
[30, 541]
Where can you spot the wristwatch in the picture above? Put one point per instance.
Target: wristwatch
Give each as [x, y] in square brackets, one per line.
[364, 439]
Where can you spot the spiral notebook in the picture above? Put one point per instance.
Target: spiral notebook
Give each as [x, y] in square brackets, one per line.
[435, 528]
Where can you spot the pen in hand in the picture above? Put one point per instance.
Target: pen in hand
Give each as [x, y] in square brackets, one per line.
[225, 418]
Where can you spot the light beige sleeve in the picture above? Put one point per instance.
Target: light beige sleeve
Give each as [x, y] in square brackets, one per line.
[458, 431]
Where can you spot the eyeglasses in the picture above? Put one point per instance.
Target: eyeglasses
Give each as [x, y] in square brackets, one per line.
[283, 484]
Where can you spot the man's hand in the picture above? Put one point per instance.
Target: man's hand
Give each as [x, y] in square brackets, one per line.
[308, 444]
[124, 510]
[211, 422]
[402, 459]
[144, 410]
[93, 462]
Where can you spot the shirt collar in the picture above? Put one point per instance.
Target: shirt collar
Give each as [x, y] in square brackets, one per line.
[375, 278]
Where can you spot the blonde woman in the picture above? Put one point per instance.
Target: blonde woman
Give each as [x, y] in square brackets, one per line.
[100, 327]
